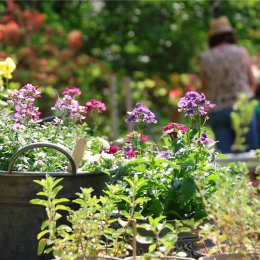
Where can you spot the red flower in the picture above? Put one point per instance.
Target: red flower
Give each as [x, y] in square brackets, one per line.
[75, 39]
[113, 149]
[174, 127]
[174, 93]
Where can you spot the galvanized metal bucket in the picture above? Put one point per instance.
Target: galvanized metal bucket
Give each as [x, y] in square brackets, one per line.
[20, 221]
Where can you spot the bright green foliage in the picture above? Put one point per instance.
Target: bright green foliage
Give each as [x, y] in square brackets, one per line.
[89, 223]
[241, 118]
[161, 246]
[234, 207]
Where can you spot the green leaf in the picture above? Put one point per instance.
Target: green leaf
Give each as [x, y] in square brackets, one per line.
[172, 212]
[183, 229]
[140, 168]
[108, 173]
[200, 213]
[188, 188]
[56, 190]
[122, 222]
[222, 156]
[41, 245]
[123, 197]
[189, 222]
[156, 208]
[79, 201]
[140, 200]
[62, 207]
[41, 183]
[41, 193]
[42, 234]
[56, 201]
[57, 252]
[152, 247]
[124, 213]
[44, 224]
[48, 250]
[144, 240]
[110, 221]
[144, 226]
[39, 202]
[138, 215]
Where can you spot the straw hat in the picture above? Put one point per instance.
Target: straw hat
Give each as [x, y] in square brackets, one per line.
[220, 25]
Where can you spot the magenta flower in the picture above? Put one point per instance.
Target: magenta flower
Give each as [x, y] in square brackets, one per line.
[193, 101]
[174, 127]
[71, 91]
[113, 149]
[204, 140]
[130, 154]
[93, 104]
[141, 113]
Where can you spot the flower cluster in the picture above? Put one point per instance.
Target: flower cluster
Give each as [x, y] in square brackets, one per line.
[7, 67]
[141, 114]
[93, 104]
[23, 104]
[194, 104]
[204, 140]
[137, 135]
[173, 128]
[69, 105]
[72, 91]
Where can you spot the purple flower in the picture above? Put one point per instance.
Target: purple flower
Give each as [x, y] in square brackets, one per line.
[204, 140]
[71, 105]
[93, 104]
[193, 102]
[165, 155]
[141, 113]
[128, 148]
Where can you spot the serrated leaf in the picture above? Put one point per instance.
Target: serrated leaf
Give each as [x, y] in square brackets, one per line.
[41, 245]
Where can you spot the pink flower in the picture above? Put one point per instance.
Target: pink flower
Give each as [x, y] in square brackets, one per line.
[71, 91]
[113, 149]
[130, 154]
[94, 104]
[144, 139]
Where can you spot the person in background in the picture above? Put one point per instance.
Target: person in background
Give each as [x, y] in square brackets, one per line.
[225, 70]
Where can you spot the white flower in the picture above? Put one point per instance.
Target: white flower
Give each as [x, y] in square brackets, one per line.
[104, 142]
[95, 158]
[87, 155]
[41, 154]
[107, 156]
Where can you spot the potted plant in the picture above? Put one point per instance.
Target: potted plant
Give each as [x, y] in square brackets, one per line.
[171, 174]
[28, 150]
[89, 224]
[234, 207]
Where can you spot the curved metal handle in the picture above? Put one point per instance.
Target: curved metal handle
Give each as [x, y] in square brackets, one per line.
[35, 145]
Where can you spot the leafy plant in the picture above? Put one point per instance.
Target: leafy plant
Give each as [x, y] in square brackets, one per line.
[161, 246]
[240, 119]
[234, 207]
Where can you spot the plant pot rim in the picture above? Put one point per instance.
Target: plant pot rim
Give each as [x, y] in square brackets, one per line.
[56, 174]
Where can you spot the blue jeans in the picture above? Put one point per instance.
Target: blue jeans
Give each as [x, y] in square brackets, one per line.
[220, 123]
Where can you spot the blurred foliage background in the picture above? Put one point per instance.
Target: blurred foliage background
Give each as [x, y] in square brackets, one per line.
[58, 44]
